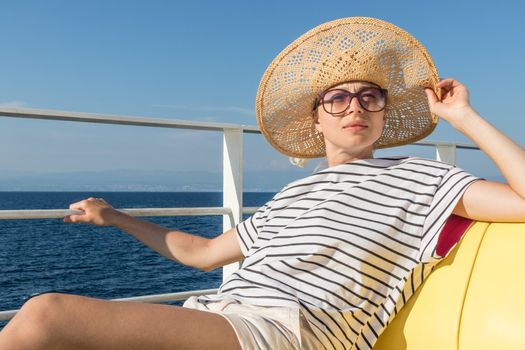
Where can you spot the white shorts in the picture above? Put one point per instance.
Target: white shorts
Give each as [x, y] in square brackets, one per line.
[260, 327]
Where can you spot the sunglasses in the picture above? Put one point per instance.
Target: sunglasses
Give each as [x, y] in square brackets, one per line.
[337, 101]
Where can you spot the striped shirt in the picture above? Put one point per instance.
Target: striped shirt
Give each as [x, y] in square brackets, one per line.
[348, 245]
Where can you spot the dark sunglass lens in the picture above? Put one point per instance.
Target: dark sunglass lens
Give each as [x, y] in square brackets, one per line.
[336, 101]
[372, 99]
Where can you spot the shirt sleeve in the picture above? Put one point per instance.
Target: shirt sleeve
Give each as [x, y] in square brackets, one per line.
[453, 185]
[248, 230]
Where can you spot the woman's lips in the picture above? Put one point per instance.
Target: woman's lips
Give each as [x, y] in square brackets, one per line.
[355, 127]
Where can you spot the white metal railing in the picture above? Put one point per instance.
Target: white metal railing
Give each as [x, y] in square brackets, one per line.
[29, 113]
[232, 176]
[155, 299]
[60, 213]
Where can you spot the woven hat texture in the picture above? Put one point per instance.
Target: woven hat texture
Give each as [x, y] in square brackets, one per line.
[354, 48]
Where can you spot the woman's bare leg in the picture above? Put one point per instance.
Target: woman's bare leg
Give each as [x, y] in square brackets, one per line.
[58, 321]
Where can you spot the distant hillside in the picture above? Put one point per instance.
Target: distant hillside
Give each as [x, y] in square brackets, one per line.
[133, 180]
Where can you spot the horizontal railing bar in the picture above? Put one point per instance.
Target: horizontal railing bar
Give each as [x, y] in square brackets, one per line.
[445, 143]
[249, 210]
[30, 113]
[163, 298]
[122, 120]
[7, 315]
[154, 298]
[60, 213]
[189, 211]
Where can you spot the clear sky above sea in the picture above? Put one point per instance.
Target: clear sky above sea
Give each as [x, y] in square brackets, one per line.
[202, 60]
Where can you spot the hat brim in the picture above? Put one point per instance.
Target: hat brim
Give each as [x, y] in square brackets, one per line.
[348, 49]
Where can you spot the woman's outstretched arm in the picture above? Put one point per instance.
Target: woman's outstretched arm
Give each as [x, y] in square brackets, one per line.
[188, 249]
[484, 200]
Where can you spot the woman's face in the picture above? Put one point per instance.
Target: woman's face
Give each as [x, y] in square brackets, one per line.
[354, 131]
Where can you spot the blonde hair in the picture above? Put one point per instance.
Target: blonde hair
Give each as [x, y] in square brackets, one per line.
[300, 162]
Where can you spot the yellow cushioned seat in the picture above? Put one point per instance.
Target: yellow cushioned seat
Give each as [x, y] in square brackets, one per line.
[474, 299]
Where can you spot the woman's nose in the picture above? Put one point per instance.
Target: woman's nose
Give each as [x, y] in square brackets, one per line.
[355, 106]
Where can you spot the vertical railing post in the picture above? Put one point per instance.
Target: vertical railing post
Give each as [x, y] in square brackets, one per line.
[232, 184]
[446, 153]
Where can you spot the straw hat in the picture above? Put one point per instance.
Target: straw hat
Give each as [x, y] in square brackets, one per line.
[355, 48]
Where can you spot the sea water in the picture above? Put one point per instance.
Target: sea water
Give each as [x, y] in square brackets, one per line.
[37, 256]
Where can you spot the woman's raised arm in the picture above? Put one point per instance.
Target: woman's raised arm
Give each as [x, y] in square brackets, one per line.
[484, 200]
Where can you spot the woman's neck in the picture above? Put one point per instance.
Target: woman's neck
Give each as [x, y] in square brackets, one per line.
[345, 157]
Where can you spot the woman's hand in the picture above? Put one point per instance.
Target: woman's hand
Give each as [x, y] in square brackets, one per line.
[96, 212]
[454, 104]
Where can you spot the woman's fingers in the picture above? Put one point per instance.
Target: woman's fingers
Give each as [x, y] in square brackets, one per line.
[431, 96]
[77, 206]
[74, 219]
[447, 82]
[93, 211]
[452, 93]
[452, 90]
[452, 103]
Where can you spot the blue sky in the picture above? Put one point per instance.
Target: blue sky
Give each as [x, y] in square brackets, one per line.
[202, 60]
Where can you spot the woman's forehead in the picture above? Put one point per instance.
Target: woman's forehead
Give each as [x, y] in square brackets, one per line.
[354, 84]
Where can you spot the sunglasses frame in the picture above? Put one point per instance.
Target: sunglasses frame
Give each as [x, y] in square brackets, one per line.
[357, 94]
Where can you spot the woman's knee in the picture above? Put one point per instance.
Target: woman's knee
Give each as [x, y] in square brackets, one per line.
[45, 308]
[41, 318]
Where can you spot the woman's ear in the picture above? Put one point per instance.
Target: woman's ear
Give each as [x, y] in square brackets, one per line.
[315, 118]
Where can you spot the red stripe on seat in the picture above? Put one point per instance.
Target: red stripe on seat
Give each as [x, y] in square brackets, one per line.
[454, 229]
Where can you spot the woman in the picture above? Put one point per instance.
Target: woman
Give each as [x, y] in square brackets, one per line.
[332, 257]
